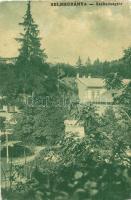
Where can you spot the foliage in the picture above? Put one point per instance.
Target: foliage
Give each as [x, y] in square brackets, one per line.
[8, 85]
[89, 117]
[40, 124]
[113, 81]
[97, 68]
[16, 151]
[30, 51]
[124, 99]
[127, 55]
[2, 123]
[87, 169]
[95, 167]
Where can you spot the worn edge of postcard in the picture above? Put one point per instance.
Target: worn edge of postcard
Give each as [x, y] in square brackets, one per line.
[83, 3]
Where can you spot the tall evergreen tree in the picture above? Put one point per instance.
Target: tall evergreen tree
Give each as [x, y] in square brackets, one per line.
[88, 62]
[79, 62]
[31, 68]
[30, 51]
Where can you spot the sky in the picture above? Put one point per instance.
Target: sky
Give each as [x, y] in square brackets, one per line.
[69, 32]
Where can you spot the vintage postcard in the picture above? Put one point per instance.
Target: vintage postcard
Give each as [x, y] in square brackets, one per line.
[65, 99]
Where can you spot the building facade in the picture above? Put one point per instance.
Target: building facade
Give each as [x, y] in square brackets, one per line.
[93, 90]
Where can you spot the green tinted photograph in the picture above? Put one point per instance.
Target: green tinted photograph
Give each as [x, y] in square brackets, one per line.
[65, 100]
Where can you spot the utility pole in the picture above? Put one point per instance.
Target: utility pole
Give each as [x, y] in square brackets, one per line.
[7, 148]
[7, 141]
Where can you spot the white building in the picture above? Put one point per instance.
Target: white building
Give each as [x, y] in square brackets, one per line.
[93, 90]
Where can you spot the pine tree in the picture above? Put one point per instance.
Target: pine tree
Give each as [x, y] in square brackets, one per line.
[30, 51]
[88, 62]
[79, 62]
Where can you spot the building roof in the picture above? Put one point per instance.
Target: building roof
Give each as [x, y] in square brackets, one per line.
[95, 82]
[91, 82]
